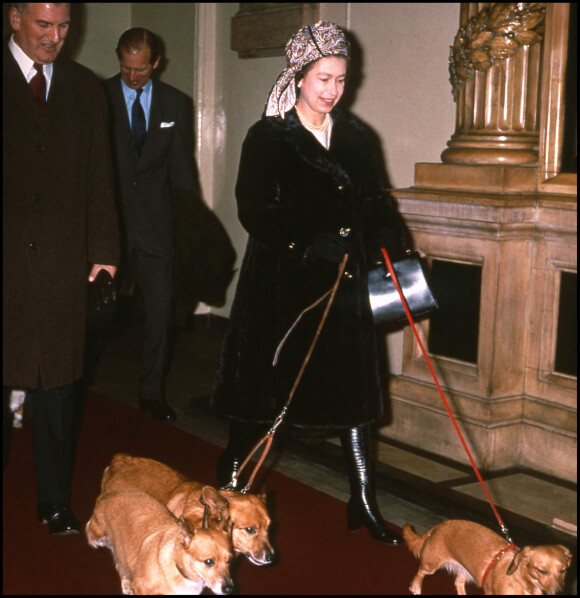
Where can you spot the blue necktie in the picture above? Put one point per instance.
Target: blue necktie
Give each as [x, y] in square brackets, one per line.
[138, 125]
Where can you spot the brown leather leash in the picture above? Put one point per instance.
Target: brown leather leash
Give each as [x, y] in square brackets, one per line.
[442, 394]
[268, 438]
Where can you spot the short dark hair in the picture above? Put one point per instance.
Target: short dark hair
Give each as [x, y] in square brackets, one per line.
[137, 38]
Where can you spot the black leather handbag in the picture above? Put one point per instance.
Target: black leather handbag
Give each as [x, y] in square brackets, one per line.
[384, 297]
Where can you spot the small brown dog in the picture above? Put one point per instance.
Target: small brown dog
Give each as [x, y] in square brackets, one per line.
[246, 513]
[154, 552]
[474, 553]
[249, 518]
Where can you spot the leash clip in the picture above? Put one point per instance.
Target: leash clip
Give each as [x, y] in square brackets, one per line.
[278, 421]
[505, 532]
[231, 485]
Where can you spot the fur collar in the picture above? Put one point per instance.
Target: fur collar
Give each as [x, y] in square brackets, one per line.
[346, 135]
[290, 123]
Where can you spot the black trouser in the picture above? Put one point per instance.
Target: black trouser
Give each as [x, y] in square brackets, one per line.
[54, 429]
[154, 277]
[54, 440]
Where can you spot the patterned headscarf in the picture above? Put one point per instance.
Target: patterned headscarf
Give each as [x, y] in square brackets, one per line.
[310, 43]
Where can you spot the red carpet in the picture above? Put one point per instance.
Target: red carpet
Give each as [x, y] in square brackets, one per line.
[316, 552]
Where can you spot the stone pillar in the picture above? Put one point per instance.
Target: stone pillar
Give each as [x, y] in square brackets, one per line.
[483, 208]
[495, 73]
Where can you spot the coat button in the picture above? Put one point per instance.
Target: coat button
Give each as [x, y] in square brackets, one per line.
[41, 147]
[344, 232]
[347, 274]
[291, 245]
[340, 188]
[33, 245]
[35, 198]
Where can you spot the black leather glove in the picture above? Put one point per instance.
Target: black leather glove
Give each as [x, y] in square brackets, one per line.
[331, 247]
[104, 289]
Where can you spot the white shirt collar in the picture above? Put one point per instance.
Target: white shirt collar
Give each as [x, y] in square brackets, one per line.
[25, 63]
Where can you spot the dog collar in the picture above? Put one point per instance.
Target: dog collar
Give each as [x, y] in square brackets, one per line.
[496, 558]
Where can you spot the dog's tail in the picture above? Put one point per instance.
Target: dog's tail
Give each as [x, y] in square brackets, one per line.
[413, 541]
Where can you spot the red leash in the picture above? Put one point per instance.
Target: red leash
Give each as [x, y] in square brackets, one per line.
[410, 318]
[495, 559]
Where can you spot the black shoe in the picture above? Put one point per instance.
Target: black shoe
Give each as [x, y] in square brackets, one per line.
[60, 520]
[242, 439]
[158, 410]
[359, 515]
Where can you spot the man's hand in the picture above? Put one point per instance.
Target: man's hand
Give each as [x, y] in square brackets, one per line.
[103, 287]
[95, 270]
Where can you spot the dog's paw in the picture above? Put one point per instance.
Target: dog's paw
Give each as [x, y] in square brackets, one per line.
[127, 586]
[102, 542]
[415, 589]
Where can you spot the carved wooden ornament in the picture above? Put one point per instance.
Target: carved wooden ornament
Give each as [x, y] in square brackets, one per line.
[495, 33]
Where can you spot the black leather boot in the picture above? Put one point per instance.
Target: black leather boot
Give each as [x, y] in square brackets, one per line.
[243, 437]
[362, 508]
[227, 466]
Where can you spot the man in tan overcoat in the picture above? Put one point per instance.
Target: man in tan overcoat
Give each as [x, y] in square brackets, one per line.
[59, 229]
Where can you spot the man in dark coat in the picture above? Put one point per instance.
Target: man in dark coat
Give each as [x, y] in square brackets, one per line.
[148, 171]
[59, 229]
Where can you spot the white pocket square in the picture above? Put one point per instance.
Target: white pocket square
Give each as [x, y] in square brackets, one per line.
[167, 125]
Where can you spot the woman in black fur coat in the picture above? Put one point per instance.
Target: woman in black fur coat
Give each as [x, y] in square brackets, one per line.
[308, 193]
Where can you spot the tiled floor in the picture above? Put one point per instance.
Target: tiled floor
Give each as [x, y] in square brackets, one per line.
[531, 497]
[412, 486]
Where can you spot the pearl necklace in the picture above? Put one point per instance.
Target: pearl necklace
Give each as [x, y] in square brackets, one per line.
[309, 125]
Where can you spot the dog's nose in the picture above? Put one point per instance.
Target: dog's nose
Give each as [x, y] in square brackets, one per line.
[228, 588]
[269, 556]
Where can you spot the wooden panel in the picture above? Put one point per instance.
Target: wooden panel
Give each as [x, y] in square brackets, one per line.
[262, 29]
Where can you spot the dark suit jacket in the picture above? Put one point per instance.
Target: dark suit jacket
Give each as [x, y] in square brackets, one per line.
[166, 164]
[59, 218]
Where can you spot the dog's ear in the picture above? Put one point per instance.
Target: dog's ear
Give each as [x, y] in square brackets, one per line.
[567, 553]
[262, 495]
[177, 504]
[216, 504]
[187, 531]
[520, 555]
[211, 497]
